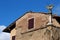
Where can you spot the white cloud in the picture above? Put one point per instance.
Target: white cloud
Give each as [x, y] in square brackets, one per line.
[3, 35]
[2, 27]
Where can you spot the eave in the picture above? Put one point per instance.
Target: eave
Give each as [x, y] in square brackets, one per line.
[10, 27]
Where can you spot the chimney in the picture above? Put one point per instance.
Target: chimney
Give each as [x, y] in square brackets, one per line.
[50, 14]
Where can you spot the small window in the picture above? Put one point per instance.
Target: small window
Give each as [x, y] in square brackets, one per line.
[30, 23]
[13, 37]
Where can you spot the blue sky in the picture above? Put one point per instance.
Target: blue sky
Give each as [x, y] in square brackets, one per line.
[10, 10]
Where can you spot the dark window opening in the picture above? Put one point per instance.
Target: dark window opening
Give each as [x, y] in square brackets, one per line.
[30, 23]
[13, 37]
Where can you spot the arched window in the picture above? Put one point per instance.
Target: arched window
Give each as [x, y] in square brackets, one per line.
[30, 23]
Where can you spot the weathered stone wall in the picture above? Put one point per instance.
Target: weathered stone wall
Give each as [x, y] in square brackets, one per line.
[47, 33]
[39, 20]
[13, 33]
[43, 32]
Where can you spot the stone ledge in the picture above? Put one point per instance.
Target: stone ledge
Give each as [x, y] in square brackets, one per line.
[39, 28]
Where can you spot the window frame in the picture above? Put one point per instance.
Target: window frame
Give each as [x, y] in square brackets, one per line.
[33, 23]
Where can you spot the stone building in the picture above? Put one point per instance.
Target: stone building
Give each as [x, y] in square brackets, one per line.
[34, 26]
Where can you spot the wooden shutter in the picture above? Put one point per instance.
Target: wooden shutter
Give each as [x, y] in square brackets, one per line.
[30, 23]
[13, 37]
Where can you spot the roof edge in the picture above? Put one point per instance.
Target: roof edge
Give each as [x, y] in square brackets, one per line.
[8, 29]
